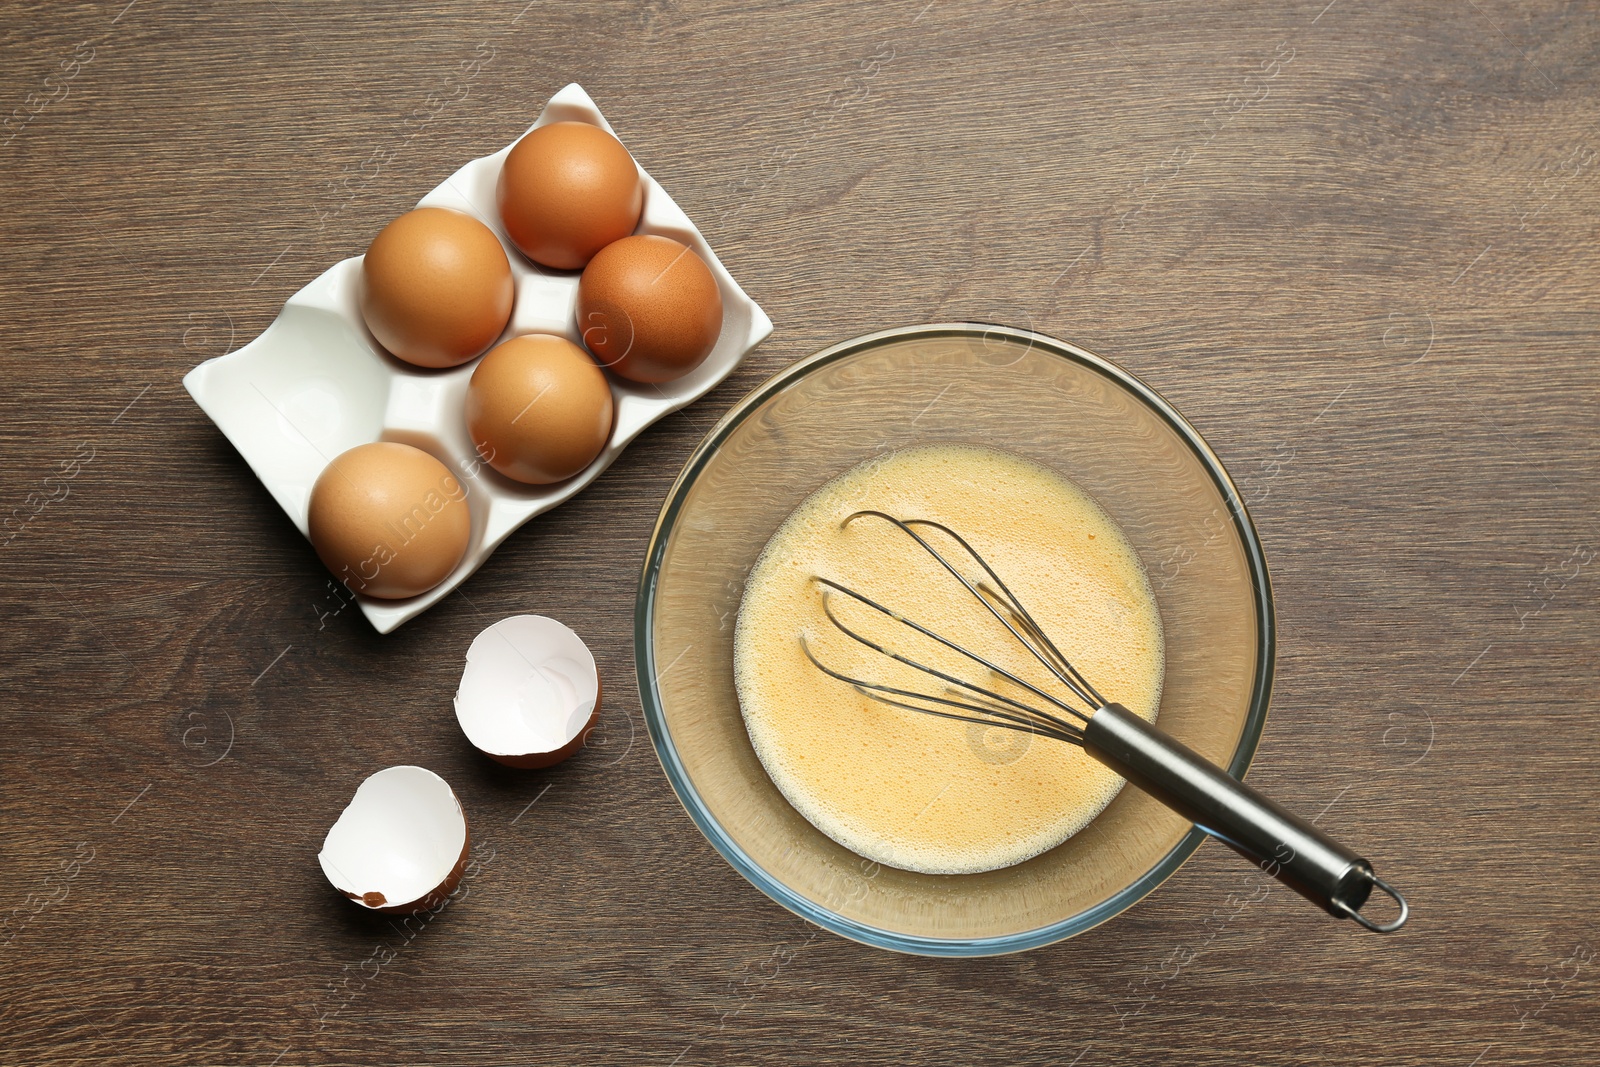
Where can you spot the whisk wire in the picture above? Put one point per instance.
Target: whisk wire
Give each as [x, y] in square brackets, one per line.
[1010, 611]
[827, 609]
[1051, 655]
[1010, 720]
[1069, 674]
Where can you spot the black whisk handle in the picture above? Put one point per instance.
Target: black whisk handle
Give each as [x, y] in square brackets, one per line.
[1282, 844]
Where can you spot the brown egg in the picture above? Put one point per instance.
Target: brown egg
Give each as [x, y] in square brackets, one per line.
[649, 309]
[566, 191]
[436, 287]
[538, 409]
[389, 520]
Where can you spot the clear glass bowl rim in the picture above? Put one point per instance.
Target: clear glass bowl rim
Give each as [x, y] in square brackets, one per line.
[683, 787]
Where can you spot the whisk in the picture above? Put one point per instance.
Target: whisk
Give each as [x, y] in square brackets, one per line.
[1282, 844]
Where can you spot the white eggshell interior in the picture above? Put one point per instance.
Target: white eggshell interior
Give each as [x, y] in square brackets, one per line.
[401, 835]
[529, 686]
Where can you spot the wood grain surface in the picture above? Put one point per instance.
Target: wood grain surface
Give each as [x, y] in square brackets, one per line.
[1354, 242]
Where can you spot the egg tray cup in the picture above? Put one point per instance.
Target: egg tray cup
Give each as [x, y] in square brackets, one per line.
[316, 382]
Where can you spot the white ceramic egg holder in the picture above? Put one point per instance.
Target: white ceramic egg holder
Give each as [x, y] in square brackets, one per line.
[316, 382]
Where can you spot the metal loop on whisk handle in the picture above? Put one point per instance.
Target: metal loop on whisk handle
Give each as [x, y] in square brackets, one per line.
[1282, 844]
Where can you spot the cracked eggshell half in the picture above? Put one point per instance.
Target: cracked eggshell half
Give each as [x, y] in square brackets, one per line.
[530, 693]
[401, 843]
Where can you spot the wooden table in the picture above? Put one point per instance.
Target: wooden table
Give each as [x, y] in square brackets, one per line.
[1353, 242]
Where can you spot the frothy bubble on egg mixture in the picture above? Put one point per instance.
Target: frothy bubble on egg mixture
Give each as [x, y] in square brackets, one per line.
[915, 791]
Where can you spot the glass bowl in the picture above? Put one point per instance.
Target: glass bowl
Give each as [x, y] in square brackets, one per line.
[955, 383]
